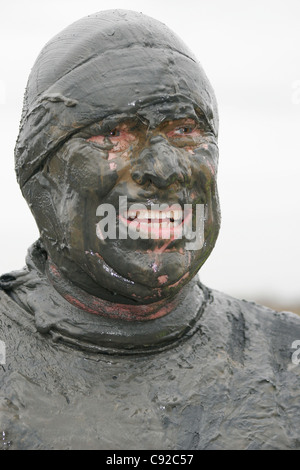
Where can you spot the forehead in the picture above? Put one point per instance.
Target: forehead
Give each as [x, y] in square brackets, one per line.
[153, 113]
[156, 113]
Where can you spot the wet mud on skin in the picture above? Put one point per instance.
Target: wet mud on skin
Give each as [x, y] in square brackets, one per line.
[78, 381]
[145, 134]
[115, 343]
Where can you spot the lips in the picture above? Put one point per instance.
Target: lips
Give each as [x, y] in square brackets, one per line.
[155, 224]
[174, 216]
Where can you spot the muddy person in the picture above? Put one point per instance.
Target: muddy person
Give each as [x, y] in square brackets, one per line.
[111, 340]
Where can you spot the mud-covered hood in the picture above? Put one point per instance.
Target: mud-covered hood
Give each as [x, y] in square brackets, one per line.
[108, 63]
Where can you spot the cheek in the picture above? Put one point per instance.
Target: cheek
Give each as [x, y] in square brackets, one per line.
[112, 166]
[44, 202]
[88, 170]
[204, 163]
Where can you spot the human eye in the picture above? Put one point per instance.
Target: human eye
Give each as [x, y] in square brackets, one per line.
[120, 138]
[183, 132]
[114, 133]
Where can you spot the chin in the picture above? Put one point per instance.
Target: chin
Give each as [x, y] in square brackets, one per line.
[148, 277]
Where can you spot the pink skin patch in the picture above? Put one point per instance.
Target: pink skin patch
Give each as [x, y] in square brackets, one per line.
[97, 306]
[123, 312]
[120, 137]
[162, 249]
[180, 280]
[212, 169]
[163, 279]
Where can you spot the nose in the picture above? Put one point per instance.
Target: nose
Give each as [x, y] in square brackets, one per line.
[160, 164]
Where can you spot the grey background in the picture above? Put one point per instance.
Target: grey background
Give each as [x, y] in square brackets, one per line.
[250, 51]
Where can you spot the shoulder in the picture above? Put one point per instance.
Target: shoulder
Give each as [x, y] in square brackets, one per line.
[273, 323]
[253, 331]
[261, 348]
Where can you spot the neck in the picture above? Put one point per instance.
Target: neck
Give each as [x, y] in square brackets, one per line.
[95, 305]
[104, 331]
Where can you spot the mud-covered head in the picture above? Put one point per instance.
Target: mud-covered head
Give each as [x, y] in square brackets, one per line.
[118, 112]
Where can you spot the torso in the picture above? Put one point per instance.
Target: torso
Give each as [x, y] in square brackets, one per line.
[229, 385]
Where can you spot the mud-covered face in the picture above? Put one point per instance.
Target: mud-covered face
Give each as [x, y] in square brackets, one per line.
[119, 125]
[124, 190]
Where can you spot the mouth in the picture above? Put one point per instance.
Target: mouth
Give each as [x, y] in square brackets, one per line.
[156, 224]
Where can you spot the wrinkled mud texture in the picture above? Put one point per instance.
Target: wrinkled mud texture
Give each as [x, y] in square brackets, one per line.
[118, 69]
[114, 343]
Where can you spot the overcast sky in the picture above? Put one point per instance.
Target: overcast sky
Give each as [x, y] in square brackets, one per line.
[250, 51]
